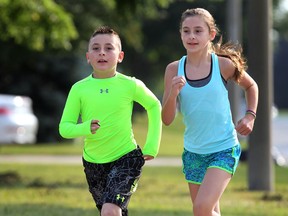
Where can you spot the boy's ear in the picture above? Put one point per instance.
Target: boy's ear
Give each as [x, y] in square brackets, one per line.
[87, 57]
[120, 57]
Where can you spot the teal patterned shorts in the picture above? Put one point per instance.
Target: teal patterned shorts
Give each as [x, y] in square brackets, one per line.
[196, 165]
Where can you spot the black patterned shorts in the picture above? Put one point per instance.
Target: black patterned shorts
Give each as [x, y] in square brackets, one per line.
[115, 182]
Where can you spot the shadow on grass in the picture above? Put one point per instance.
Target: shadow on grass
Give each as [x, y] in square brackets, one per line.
[13, 179]
[27, 209]
[162, 212]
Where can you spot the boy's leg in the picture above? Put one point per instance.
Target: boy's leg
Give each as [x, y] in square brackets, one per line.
[96, 176]
[112, 209]
[123, 179]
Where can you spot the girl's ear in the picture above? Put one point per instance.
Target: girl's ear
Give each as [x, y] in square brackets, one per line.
[120, 57]
[212, 35]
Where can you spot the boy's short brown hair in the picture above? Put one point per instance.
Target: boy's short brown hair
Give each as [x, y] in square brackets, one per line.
[106, 30]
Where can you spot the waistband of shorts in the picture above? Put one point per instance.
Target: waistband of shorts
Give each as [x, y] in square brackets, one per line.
[137, 152]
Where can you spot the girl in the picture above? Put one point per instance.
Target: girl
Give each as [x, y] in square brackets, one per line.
[197, 83]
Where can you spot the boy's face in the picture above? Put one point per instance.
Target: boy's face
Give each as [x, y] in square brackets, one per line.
[104, 53]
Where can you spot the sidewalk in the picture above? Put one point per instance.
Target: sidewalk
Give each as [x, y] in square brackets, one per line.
[75, 160]
[280, 140]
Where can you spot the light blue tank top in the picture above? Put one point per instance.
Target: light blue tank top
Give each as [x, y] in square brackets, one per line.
[206, 113]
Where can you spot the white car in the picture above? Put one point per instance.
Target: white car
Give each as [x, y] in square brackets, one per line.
[18, 124]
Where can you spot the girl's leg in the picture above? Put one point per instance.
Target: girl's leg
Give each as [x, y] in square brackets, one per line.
[193, 188]
[206, 201]
[217, 208]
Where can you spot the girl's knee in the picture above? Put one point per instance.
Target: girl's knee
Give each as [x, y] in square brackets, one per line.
[204, 209]
[199, 209]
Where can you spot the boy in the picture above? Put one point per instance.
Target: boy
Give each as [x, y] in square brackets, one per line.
[112, 159]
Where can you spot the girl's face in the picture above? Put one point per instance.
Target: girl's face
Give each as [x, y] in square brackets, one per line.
[104, 54]
[195, 34]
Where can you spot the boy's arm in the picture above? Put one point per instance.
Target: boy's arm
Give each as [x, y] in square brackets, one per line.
[69, 126]
[153, 108]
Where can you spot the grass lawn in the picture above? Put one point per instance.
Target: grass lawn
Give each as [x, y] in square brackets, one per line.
[57, 190]
[60, 190]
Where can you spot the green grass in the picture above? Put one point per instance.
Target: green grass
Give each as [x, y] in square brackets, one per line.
[57, 190]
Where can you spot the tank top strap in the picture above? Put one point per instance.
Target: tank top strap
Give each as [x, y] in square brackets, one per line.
[216, 68]
[181, 66]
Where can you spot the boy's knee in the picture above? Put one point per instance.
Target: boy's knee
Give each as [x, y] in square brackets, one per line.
[109, 209]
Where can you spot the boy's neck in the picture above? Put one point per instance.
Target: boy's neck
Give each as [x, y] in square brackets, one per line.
[98, 75]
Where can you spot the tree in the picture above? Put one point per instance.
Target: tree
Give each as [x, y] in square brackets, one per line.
[36, 24]
[35, 39]
[261, 176]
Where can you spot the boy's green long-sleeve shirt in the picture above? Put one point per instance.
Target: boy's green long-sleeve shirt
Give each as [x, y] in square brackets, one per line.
[111, 102]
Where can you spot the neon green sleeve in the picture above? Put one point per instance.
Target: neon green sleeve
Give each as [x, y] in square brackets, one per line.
[69, 127]
[152, 105]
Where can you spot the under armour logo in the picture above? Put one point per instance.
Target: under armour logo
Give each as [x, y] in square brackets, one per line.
[134, 186]
[120, 198]
[104, 91]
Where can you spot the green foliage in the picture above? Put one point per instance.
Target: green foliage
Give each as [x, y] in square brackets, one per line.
[125, 16]
[281, 25]
[36, 24]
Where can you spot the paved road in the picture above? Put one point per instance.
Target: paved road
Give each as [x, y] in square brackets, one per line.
[279, 150]
[280, 139]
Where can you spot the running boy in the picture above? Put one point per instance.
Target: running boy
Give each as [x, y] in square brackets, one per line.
[104, 100]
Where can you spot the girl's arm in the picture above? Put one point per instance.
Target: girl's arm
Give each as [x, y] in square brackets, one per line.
[246, 124]
[172, 86]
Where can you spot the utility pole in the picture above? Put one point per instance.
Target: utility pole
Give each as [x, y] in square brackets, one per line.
[260, 163]
[234, 23]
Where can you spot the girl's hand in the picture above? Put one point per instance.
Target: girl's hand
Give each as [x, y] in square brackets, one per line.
[177, 84]
[94, 126]
[245, 125]
[148, 157]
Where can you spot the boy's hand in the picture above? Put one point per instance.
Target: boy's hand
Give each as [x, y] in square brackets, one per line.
[94, 126]
[148, 157]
